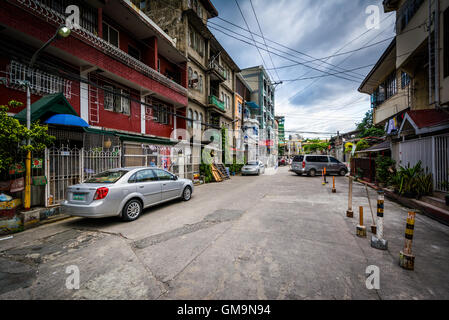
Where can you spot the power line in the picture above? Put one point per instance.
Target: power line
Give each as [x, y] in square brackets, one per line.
[339, 50]
[263, 60]
[260, 29]
[273, 48]
[284, 56]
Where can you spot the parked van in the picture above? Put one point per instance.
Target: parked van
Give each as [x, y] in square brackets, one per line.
[315, 164]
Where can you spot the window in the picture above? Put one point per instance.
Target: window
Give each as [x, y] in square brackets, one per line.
[109, 98]
[405, 80]
[195, 120]
[133, 52]
[189, 116]
[163, 175]
[446, 43]
[107, 177]
[161, 114]
[298, 159]
[110, 35]
[407, 12]
[143, 4]
[145, 176]
[195, 80]
[200, 121]
[201, 84]
[196, 42]
[159, 65]
[333, 160]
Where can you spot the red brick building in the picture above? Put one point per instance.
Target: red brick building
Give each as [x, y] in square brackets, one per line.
[119, 71]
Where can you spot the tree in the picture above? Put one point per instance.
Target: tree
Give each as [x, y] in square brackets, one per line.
[14, 135]
[367, 127]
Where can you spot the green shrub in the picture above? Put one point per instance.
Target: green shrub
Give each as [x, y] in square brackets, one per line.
[385, 169]
[413, 181]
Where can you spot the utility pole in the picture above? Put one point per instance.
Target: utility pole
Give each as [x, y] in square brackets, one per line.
[62, 32]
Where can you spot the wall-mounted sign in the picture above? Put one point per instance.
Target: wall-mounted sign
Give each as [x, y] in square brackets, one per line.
[65, 153]
[36, 163]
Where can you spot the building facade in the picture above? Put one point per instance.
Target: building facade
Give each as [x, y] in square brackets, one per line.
[117, 70]
[263, 110]
[211, 71]
[409, 86]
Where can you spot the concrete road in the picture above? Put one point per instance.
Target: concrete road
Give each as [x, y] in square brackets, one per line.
[271, 237]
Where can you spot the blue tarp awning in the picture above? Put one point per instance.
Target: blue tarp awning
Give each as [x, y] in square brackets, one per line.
[67, 120]
[252, 105]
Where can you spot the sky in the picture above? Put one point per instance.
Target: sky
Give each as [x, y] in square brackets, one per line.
[309, 30]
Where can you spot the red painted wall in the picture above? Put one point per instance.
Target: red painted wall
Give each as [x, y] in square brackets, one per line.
[21, 20]
[8, 94]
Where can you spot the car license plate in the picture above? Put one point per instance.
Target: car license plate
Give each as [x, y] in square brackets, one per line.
[77, 196]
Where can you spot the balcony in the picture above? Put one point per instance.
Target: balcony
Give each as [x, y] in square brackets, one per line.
[216, 103]
[217, 72]
[49, 15]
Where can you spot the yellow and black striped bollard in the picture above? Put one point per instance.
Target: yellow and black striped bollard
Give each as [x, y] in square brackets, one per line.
[406, 258]
[378, 240]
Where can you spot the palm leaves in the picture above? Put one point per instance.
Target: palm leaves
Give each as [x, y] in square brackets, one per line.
[413, 181]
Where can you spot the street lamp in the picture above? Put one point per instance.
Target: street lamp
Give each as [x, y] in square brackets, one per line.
[62, 32]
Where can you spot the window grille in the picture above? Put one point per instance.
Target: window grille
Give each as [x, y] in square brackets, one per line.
[41, 83]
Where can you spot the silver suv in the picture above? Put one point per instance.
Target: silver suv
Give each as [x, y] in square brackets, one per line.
[314, 164]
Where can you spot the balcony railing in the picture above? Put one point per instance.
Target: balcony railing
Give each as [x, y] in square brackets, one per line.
[213, 100]
[52, 16]
[218, 69]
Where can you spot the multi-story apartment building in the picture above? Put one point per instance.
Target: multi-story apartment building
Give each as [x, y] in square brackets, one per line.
[409, 86]
[117, 70]
[263, 109]
[246, 124]
[211, 71]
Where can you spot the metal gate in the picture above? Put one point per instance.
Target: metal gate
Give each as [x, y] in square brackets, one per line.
[433, 152]
[63, 169]
[441, 164]
[68, 166]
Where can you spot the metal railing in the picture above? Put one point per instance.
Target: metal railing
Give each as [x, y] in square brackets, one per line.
[40, 82]
[42, 11]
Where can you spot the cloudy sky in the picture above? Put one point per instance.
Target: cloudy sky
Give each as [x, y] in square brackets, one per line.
[319, 29]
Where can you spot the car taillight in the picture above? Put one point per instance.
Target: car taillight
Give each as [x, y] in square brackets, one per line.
[101, 193]
[303, 164]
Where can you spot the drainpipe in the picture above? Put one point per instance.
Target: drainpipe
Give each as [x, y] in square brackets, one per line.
[437, 54]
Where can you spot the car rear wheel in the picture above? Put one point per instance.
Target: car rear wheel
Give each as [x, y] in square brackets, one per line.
[342, 172]
[132, 210]
[312, 172]
[187, 194]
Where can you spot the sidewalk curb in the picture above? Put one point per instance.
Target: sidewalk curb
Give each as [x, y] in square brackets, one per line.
[428, 210]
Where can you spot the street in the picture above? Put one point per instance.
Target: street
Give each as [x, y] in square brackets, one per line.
[270, 237]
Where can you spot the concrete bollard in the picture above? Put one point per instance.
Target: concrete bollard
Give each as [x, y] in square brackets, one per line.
[333, 185]
[378, 241]
[361, 229]
[406, 258]
[349, 212]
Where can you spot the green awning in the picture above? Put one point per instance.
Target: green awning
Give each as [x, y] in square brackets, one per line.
[99, 131]
[46, 107]
[152, 140]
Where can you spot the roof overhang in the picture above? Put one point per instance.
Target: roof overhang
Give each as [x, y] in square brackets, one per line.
[390, 5]
[408, 123]
[126, 14]
[384, 66]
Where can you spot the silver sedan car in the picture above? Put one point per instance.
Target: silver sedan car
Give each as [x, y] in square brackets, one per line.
[125, 192]
[253, 168]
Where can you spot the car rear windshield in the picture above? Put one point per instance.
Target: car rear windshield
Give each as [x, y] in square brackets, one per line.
[252, 163]
[298, 159]
[107, 177]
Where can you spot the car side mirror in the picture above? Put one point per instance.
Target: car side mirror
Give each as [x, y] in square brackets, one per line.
[175, 178]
